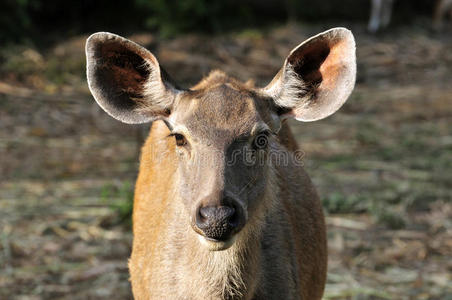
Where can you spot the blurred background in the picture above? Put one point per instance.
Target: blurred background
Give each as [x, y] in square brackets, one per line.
[382, 164]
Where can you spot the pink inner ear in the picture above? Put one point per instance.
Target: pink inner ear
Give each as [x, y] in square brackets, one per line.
[332, 66]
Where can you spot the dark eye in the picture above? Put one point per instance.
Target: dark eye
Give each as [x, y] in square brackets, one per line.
[261, 141]
[180, 139]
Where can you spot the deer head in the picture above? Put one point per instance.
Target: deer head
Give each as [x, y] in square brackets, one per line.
[224, 131]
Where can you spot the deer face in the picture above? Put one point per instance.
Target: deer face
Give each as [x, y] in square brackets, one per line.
[222, 133]
[225, 132]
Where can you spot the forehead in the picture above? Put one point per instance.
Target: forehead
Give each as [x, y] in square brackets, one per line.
[221, 112]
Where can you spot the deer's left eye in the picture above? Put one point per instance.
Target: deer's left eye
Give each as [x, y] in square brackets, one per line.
[260, 142]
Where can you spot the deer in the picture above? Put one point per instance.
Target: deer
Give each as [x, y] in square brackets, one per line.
[217, 215]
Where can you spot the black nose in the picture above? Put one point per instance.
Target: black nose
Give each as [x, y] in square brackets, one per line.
[217, 223]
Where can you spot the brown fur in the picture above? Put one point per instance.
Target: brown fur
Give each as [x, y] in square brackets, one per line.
[285, 259]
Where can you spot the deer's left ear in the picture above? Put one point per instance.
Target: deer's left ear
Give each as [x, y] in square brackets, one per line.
[317, 77]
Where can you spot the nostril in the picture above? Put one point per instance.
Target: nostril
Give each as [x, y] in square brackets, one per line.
[226, 212]
[204, 213]
[234, 217]
[201, 219]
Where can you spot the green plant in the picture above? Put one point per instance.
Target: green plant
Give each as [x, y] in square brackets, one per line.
[386, 215]
[339, 203]
[390, 219]
[120, 199]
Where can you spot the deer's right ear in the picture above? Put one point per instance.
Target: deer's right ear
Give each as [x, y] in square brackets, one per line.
[126, 79]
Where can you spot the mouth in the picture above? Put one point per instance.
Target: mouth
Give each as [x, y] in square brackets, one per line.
[216, 245]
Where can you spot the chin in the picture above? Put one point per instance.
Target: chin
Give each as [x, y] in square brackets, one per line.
[216, 245]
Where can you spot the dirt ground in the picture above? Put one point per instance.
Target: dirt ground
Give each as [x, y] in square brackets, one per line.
[382, 164]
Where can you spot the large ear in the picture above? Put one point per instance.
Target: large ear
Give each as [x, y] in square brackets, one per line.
[317, 77]
[126, 79]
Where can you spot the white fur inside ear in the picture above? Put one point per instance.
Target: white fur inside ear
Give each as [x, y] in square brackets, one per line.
[288, 92]
[158, 95]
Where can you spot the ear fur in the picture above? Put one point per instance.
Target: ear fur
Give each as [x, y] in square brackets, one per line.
[126, 79]
[317, 77]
